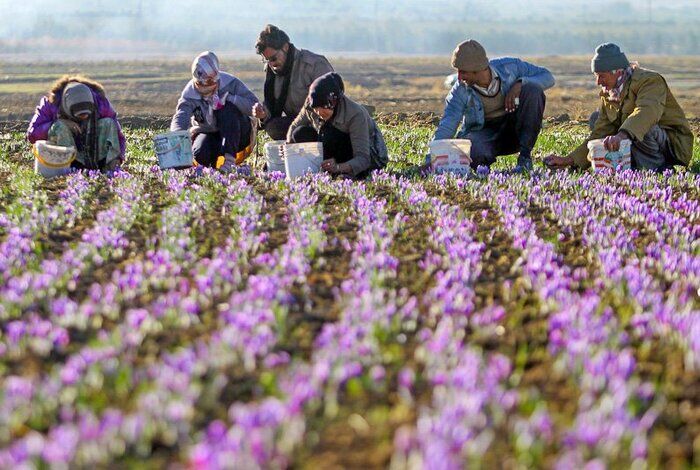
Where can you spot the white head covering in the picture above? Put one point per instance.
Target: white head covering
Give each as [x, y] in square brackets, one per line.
[205, 67]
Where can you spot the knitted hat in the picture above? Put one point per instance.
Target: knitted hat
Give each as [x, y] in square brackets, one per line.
[77, 99]
[470, 56]
[608, 57]
[325, 91]
[205, 67]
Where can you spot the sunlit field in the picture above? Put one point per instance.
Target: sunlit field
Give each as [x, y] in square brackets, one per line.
[206, 320]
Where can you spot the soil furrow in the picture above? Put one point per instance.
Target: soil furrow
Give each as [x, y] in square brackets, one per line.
[658, 361]
[524, 337]
[361, 434]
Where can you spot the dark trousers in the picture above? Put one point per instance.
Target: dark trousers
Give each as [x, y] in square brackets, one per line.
[653, 152]
[514, 132]
[277, 127]
[336, 144]
[232, 137]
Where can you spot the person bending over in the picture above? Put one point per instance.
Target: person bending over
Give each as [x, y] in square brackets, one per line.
[216, 108]
[635, 104]
[497, 104]
[289, 74]
[76, 113]
[353, 145]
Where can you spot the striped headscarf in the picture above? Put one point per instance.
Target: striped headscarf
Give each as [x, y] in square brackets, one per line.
[205, 71]
[623, 76]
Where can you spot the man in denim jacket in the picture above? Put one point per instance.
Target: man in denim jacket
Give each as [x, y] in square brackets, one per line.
[499, 104]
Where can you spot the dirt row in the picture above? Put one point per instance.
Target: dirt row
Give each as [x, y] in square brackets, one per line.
[361, 435]
[673, 438]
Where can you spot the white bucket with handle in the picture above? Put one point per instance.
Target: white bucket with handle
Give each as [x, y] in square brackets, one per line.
[300, 159]
[273, 155]
[52, 160]
[174, 149]
[450, 156]
[601, 158]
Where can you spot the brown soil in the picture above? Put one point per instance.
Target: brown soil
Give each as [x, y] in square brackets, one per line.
[674, 438]
[315, 301]
[526, 326]
[361, 435]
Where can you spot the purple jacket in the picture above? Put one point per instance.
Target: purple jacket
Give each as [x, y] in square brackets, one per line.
[47, 113]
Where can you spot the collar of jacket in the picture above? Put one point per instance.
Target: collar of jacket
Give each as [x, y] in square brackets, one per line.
[625, 90]
[341, 112]
[493, 88]
[501, 68]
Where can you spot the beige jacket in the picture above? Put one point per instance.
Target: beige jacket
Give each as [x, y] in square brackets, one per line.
[307, 67]
[646, 101]
[368, 146]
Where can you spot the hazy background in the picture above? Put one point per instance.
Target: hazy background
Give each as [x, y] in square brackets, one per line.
[109, 28]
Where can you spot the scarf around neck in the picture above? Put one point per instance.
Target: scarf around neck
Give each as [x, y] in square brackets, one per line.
[276, 104]
[615, 94]
[494, 87]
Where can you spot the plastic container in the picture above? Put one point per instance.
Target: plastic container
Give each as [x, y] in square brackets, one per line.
[52, 160]
[300, 159]
[450, 156]
[273, 155]
[603, 159]
[174, 149]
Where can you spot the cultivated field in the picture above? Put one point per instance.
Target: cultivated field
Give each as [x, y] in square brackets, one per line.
[201, 320]
[414, 84]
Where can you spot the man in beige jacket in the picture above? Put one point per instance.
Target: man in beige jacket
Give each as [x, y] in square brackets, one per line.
[636, 104]
[289, 73]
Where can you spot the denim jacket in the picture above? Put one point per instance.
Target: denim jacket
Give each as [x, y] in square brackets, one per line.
[464, 106]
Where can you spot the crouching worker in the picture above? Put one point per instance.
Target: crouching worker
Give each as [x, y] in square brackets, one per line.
[76, 113]
[635, 104]
[353, 145]
[499, 104]
[216, 108]
[288, 74]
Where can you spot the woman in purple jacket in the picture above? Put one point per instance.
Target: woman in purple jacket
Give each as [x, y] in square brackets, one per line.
[76, 113]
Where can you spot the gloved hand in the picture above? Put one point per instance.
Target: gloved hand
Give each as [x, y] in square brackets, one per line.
[229, 163]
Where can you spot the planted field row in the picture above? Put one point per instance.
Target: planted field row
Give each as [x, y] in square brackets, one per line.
[220, 321]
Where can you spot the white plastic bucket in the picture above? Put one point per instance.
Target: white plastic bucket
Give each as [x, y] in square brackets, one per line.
[174, 149]
[601, 158]
[52, 160]
[273, 155]
[300, 159]
[450, 156]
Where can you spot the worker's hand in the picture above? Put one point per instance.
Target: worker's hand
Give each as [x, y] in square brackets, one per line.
[72, 125]
[612, 142]
[557, 162]
[330, 166]
[201, 129]
[259, 111]
[513, 97]
[334, 168]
